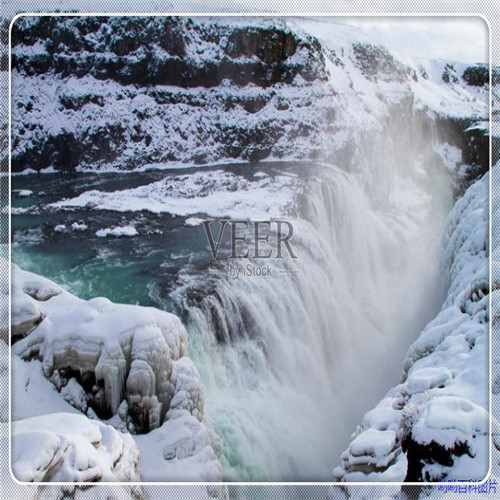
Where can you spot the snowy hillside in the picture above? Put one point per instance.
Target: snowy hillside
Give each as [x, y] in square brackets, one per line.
[127, 93]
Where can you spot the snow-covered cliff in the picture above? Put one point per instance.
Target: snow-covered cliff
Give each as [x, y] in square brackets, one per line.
[131, 93]
[434, 425]
[119, 364]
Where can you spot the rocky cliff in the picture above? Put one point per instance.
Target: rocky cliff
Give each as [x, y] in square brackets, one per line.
[128, 93]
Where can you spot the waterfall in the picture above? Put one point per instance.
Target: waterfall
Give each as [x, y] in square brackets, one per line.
[291, 361]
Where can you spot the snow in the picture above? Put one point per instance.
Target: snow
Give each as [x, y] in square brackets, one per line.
[450, 420]
[16, 210]
[427, 378]
[70, 447]
[138, 354]
[79, 226]
[179, 450]
[117, 231]
[186, 125]
[116, 342]
[373, 443]
[443, 398]
[23, 193]
[34, 394]
[214, 193]
[193, 221]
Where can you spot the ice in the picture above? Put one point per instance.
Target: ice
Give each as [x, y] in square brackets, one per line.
[117, 231]
[439, 413]
[128, 349]
[70, 447]
[75, 395]
[193, 221]
[214, 193]
[79, 226]
[23, 193]
[88, 360]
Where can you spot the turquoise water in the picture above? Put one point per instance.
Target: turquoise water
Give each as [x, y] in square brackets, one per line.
[144, 270]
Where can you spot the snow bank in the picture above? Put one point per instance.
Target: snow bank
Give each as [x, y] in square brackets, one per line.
[70, 447]
[434, 425]
[215, 193]
[180, 450]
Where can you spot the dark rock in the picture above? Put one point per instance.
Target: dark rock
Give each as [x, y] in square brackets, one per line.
[269, 45]
[377, 63]
[449, 74]
[478, 75]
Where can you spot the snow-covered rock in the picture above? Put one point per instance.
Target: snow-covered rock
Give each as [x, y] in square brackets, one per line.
[70, 447]
[189, 66]
[90, 360]
[435, 424]
[117, 231]
[114, 351]
[27, 294]
[204, 91]
[181, 449]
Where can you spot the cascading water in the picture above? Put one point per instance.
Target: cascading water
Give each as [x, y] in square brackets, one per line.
[290, 361]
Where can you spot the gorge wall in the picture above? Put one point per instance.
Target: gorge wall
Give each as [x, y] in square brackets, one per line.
[129, 93]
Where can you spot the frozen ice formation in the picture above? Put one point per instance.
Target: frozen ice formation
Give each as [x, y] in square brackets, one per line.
[98, 351]
[71, 447]
[434, 425]
[180, 450]
[117, 231]
[104, 360]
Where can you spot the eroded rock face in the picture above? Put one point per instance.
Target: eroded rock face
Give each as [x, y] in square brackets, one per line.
[100, 354]
[163, 51]
[138, 92]
[376, 61]
[163, 74]
[434, 425]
